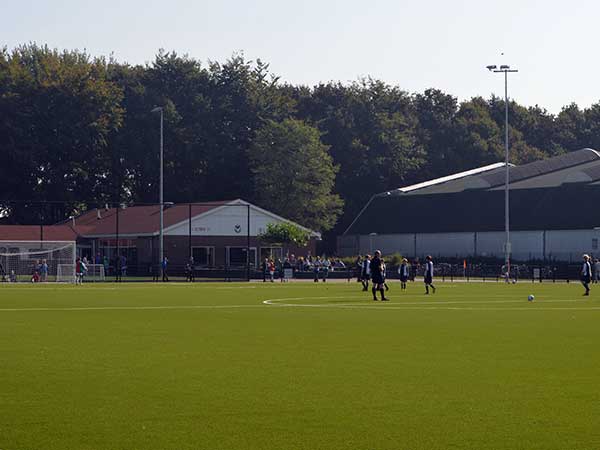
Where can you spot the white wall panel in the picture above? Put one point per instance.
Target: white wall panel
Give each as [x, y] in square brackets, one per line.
[445, 244]
[388, 244]
[228, 221]
[526, 245]
[569, 245]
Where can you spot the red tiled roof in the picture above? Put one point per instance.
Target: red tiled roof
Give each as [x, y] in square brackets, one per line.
[133, 220]
[138, 220]
[34, 233]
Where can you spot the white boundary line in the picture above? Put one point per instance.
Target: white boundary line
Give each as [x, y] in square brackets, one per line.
[91, 286]
[277, 302]
[427, 305]
[130, 308]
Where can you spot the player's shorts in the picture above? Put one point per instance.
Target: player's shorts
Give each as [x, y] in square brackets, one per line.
[428, 279]
[377, 278]
[403, 278]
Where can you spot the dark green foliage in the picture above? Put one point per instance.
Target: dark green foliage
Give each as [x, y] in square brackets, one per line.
[294, 174]
[78, 130]
[57, 111]
[285, 233]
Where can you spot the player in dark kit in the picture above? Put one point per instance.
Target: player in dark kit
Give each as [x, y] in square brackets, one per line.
[376, 267]
[428, 278]
[586, 274]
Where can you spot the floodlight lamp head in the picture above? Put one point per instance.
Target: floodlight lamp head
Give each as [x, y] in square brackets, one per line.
[504, 67]
[157, 109]
[490, 68]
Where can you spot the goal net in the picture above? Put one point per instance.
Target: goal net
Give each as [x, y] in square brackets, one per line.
[66, 273]
[34, 260]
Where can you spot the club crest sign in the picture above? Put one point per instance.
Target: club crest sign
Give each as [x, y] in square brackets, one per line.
[237, 228]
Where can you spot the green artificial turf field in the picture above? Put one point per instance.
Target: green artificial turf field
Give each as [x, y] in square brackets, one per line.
[210, 366]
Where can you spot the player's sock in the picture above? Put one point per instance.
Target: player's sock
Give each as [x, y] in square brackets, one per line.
[374, 291]
[382, 294]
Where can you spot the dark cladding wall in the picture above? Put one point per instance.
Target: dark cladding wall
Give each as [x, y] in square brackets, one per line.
[569, 207]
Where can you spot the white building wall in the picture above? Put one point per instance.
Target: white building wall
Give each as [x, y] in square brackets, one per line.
[387, 243]
[569, 245]
[445, 244]
[525, 245]
[561, 245]
[226, 221]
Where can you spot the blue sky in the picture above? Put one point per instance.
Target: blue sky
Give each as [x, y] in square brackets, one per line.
[412, 44]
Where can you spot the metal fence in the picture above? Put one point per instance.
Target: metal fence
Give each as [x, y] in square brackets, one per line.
[443, 271]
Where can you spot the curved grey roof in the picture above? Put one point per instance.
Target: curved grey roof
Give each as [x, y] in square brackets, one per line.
[472, 200]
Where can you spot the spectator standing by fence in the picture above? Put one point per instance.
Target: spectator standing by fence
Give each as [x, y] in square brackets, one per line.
[265, 269]
[316, 268]
[165, 266]
[44, 270]
[271, 270]
[326, 266]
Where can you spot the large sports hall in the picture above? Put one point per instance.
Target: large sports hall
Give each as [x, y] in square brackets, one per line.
[554, 213]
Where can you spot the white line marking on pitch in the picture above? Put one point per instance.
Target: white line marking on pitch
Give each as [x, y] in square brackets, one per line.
[430, 305]
[277, 302]
[132, 308]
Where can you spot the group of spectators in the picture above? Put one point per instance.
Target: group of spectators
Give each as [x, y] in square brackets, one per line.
[39, 271]
[320, 266]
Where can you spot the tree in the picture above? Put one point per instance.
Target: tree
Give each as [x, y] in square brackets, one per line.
[294, 174]
[436, 113]
[478, 140]
[285, 233]
[57, 111]
[371, 129]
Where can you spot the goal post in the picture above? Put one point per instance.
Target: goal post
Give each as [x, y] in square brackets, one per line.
[67, 273]
[26, 261]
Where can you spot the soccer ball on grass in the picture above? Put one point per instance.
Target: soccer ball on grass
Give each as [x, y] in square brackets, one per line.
[531, 298]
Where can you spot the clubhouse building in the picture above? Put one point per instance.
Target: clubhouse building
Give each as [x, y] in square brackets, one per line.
[216, 234]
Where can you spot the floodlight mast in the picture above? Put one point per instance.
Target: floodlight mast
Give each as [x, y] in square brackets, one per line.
[161, 254]
[507, 247]
[371, 235]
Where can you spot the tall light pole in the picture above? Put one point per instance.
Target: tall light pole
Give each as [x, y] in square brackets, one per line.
[371, 235]
[161, 254]
[507, 247]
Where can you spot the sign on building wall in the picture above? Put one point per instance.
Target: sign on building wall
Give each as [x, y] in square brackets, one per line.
[228, 221]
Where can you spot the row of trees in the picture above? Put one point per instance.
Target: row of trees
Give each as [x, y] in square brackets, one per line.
[78, 130]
